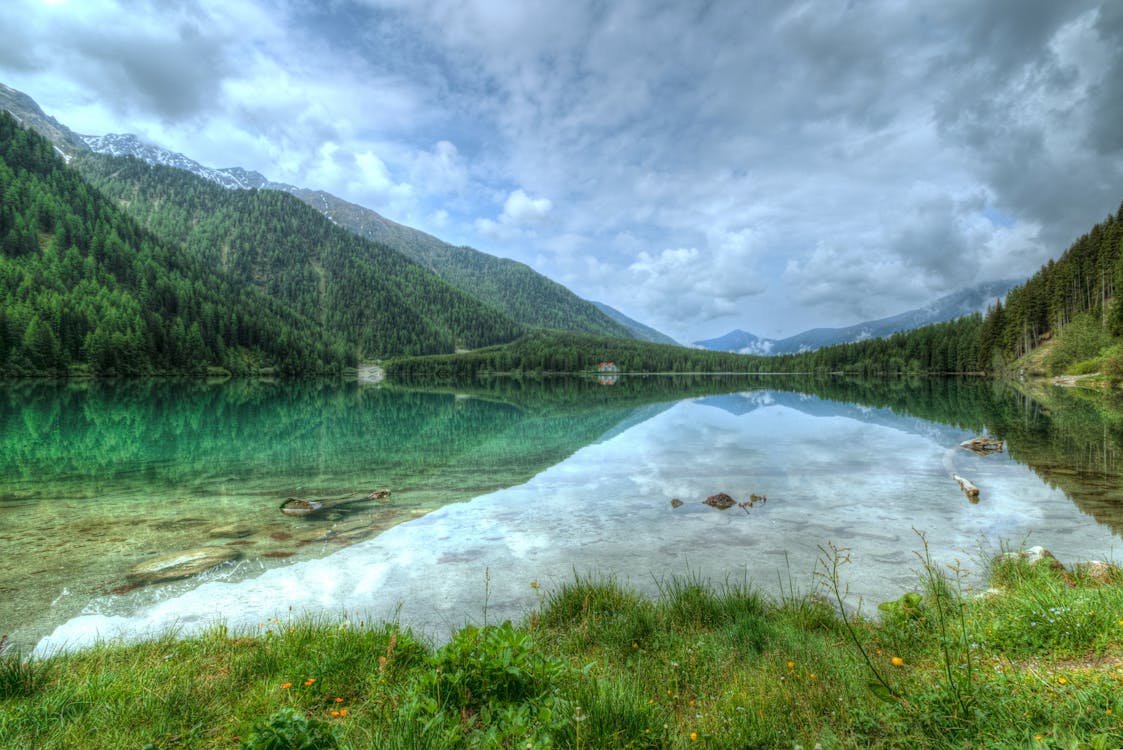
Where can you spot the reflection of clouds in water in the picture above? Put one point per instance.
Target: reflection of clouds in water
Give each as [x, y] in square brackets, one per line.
[830, 478]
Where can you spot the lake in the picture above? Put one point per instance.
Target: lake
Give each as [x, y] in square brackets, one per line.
[512, 483]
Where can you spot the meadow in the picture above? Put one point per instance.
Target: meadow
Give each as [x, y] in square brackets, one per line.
[1033, 661]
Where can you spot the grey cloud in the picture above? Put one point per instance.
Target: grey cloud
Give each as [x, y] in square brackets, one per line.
[1106, 111]
[174, 78]
[1014, 106]
[174, 72]
[18, 52]
[930, 240]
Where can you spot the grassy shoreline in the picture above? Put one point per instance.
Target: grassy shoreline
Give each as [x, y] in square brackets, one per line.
[1035, 662]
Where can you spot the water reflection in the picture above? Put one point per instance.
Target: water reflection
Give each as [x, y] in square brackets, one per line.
[859, 465]
[96, 477]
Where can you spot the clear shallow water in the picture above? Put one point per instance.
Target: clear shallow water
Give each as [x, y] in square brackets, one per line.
[514, 494]
[97, 477]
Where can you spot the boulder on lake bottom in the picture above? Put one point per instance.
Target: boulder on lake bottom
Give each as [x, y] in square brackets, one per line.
[295, 506]
[178, 565]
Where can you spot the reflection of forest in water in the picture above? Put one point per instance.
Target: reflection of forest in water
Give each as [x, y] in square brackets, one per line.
[1071, 438]
[322, 435]
[96, 476]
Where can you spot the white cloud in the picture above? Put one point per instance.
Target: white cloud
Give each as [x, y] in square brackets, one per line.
[521, 210]
[440, 170]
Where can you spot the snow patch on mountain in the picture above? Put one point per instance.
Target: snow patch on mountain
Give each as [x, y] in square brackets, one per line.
[232, 178]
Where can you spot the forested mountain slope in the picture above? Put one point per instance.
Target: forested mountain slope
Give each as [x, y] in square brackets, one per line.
[525, 295]
[637, 329]
[83, 285]
[380, 301]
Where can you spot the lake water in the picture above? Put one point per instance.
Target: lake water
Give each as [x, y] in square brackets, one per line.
[511, 483]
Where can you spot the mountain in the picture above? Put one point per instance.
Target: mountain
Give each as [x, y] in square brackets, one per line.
[379, 300]
[738, 341]
[86, 289]
[28, 114]
[129, 145]
[524, 295]
[973, 299]
[638, 330]
[527, 297]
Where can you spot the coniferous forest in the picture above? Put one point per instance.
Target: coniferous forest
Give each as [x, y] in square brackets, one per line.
[86, 288]
[124, 268]
[378, 300]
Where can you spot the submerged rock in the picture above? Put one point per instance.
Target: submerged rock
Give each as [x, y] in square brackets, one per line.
[379, 495]
[294, 506]
[721, 501]
[230, 531]
[179, 565]
[754, 499]
[675, 502]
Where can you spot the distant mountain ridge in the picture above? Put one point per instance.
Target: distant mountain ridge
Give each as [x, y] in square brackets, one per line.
[949, 307]
[737, 341]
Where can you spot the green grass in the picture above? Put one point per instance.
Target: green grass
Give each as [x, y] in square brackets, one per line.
[1035, 664]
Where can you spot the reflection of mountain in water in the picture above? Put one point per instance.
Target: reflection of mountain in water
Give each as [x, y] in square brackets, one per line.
[839, 476]
[87, 468]
[740, 404]
[98, 476]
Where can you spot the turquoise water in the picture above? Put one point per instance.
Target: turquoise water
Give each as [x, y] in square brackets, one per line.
[507, 483]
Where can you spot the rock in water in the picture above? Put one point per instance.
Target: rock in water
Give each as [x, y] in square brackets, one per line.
[982, 445]
[180, 565]
[294, 506]
[721, 501]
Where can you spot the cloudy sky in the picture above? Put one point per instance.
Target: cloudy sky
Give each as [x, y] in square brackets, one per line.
[771, 166]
